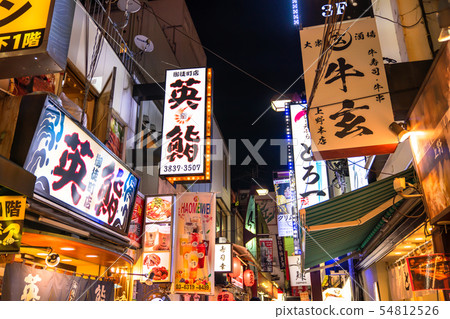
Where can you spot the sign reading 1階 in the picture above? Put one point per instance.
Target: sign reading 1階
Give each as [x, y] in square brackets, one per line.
[186, 137]
[23, 24]
[12, 214]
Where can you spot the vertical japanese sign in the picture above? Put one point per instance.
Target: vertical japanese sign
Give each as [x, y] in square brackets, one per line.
[12, 214]
[311, 181]
[194, 238]
[351, 110]
[280, 247]
[23, 24]
[223, 258]
[296, 276]
[158, 239]
[266, 246]
[250, 226]
[430, 122]
[74, 170]
[137, 222]
[185, 152]
[284, 205]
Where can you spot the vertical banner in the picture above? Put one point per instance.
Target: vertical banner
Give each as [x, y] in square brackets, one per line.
[284, 205]
[266, 245]
[12, 214]
[280, 247]
[194, 239]
[136, 229]
[158, 239]
[223, 258]
[296, 276]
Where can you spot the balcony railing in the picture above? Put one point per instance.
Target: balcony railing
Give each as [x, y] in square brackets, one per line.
[108, 27]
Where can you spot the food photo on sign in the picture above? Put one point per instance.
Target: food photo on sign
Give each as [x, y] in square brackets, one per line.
[159, 209]
[158, 264]
[194, 238]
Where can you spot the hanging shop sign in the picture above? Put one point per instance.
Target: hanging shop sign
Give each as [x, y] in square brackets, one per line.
[357, 172]
[73, 169]
[311, 179]
[266, 249]
[429, 272]
[429, 122]
[158, 237]
[33, 36]
[186, 136]
[194, 238]
[136, 230]
[351, 110]
[297, 278]
[12, 214]
[250, 219]
[223, 258]
[25, 283]
[284, 205]
[268, 209]
[315, 12]
[280, 247]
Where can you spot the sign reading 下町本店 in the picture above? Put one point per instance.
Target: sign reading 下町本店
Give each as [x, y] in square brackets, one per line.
[351, 110]
[74, 170]
[12, 214]
[187, 125]
[193, 249]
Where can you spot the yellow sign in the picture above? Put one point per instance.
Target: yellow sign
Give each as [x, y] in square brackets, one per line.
[12, 214]
[22, 23]
[12, 207]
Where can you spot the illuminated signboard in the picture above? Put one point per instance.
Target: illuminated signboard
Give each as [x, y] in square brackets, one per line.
[310, 176]
[351, 110]
[186, 137]
[74, 170]
[22, 24]
[295, 14]
[35, 35]
[12, 214]
[315, 12]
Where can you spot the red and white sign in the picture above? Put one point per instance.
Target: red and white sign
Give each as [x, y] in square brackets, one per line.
[266, 254]
[351, 109]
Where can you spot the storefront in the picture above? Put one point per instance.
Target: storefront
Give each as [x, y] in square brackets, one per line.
[77, 220]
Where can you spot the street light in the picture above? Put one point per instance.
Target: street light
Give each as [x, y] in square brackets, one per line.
[262, 191]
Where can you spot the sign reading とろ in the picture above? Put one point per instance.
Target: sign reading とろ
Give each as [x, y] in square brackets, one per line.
[351, 110]
[194, 239]
[74, 170]
[223, 257]
[311, 179]
[266, 246]
[12, 214]
[186, 136]
[23, 24]
[158, 239]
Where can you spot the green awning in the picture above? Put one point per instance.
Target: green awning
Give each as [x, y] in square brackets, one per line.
[376, 199]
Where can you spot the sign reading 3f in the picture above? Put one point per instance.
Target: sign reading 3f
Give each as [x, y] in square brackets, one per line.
[327, 9]
[22, 24]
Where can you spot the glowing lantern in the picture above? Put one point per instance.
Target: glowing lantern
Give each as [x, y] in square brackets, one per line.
[249, 278]
[225, 296]
[236, 267]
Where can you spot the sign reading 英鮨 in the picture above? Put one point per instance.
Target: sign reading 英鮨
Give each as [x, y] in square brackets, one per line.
[186, 125]
[12, 214]
[74, 170]
[351, 110]
[193, 248]
[23, 24]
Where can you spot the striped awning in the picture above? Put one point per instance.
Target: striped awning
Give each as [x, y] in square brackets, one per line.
[344, 223]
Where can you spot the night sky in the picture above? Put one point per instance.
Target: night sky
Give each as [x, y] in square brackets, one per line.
[259, 38]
